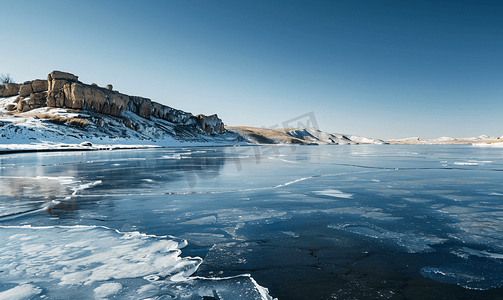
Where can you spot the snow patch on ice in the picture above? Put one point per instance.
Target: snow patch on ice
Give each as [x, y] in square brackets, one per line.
[82, 255]
[291, 233]
[498, 144]
[334, 193]
[101, 262]
[107, 289]
[466, 163]
[21, 292]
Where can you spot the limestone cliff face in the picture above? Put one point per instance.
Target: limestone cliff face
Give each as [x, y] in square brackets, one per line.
[9, 89]
[211, 124]
[64, 90]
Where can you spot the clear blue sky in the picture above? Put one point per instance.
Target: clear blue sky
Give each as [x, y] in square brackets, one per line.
[381, 69]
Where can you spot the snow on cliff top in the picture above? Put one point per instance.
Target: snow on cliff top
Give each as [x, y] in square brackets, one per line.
[483, 139]
[320, 137]
[38, 129]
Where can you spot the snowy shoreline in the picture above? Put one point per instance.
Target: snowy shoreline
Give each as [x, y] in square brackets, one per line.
[62, 147]
[48, 129]
[22, 148]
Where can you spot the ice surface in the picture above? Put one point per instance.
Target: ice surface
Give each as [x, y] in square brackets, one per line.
[99, 259]
[74, 256]
[291, 233]
[468, 275]
[411, 241]
[400, 198]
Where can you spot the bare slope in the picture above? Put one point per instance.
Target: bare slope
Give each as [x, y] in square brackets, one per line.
[256, 135]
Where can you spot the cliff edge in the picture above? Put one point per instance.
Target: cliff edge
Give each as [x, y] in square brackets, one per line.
[64, 90]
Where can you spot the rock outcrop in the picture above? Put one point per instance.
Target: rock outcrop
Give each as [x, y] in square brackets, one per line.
[64, 90]
[35, 100]
[35, 86]
[211, 124]
[9, 89]
[170, 114]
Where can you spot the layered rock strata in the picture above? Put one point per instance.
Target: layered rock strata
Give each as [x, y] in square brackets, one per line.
[64, 90]
[9, 89]
[211, 124]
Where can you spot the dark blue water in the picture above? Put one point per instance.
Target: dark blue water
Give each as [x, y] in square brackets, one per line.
[306, 222]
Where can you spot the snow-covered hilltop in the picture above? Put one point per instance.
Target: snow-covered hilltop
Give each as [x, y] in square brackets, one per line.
[63, 90]
[477, 141]
[62, 112]
[298, 136]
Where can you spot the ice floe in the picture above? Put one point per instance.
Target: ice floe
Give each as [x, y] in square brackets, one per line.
[458, 163]
[101, 262]
[334, 193]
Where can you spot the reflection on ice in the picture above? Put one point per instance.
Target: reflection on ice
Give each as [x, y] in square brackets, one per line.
[25, 195]
[50, 187]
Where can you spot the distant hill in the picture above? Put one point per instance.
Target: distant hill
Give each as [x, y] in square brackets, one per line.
[483, 139]
[61, 112]
[309, 135]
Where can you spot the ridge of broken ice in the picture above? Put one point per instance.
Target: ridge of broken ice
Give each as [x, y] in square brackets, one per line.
[101, 261]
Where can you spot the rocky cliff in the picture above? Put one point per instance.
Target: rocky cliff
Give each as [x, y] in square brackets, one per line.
[64, 90]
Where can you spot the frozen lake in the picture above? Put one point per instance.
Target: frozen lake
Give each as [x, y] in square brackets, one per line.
[306, 222]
